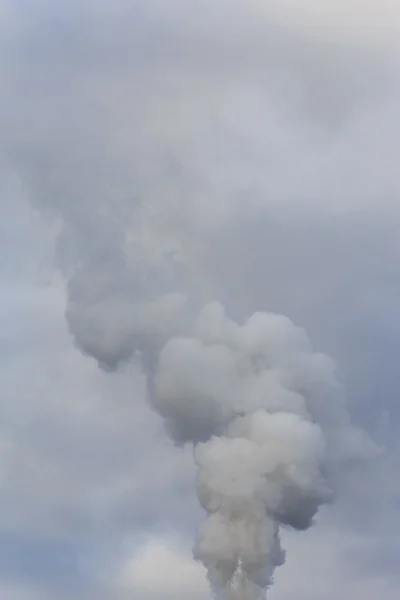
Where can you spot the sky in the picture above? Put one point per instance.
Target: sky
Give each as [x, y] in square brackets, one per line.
[257, 143]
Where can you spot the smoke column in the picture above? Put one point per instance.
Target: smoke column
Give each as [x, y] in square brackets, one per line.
[135, 195]
[265, 414]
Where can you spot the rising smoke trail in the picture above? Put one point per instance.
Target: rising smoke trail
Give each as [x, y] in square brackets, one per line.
[265, 414]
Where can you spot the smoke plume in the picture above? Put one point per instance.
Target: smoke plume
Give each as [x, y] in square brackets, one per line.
[265, 414]
[140, 164]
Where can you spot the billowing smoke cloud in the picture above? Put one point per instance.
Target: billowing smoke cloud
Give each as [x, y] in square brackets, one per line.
[264, 412]
[266, 416]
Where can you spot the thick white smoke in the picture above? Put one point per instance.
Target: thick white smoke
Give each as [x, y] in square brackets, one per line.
[264, 412]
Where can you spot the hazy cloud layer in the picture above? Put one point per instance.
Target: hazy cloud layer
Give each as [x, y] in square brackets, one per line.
[246, 152]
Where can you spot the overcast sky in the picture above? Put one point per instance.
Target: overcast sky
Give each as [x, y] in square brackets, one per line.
[258, 143]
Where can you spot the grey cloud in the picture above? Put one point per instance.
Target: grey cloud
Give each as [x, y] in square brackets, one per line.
[235, 144]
